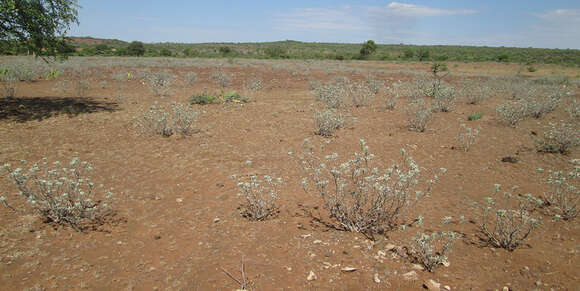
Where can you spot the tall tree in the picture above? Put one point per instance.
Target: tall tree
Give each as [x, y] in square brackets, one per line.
[40, 25]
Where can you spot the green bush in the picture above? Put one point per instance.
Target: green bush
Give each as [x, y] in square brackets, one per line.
[234, 97]
[203, 99]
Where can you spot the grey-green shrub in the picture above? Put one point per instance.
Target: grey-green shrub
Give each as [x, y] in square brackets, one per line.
[361, 94]
[222, 79]
[559, 138]
[332, 94]
[418, 115]
[361, 196]
[540, 103]
[431, 250]
[160, 82]
[467, 136]
[327, 122]
[62, 193]
[444, 99]
[574, 109]
[162, 121]
[511, 112]
[259, 196]
[191, 78]
[506, 223]
[564, 194]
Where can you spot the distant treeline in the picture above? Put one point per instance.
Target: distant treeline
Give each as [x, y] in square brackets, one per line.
[87, 46]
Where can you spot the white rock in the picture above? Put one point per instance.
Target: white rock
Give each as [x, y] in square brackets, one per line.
[179, 200]
[446, 263]
[349, 269]
[376, 278]
[389, 247]
[382, 253]
[311, 276]
[447, 287]
[317, 242]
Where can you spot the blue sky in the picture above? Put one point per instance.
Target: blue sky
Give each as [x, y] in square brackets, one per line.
[533, 23]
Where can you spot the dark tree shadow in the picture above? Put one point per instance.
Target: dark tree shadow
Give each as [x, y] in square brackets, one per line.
[24, 109]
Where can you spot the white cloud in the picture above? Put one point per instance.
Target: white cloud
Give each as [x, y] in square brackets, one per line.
[561, 14]
[556, 28]
[412, 10]
[342, 18]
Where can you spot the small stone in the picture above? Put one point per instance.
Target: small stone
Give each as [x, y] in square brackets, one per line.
[376, 278]
[317, 242]
[410, 275]
[311, 276]
[216, 220]
[432, 285]
[390, 247]
[447, 287]
[381, 254]
[505, 288]
[157, 237]
[349, 269]
[445, 263]
[306, 235]
[179, 200]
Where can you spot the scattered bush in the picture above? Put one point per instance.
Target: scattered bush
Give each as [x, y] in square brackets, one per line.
[361, 94]
[504, 226]
[475, 94]
[564, 194]
[373, 84]
[259, 196]
[418, 115]
[467, 136]
[512, 112]
[538, 104]
[222, 79]
[254, 85]
[444, 99]
[430, 250]
[203, 99]
[574, 109]
[361, 197]
[191, 78]
[160, 82]
[81, 87]
[559, 138]
[234, 97]
[391, 95]
[327, 122]
[158, 120]
[475, 116]
[332, 94]
[62, 193]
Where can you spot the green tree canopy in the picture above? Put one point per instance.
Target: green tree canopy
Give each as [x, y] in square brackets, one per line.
[368, 48]
[136, 48]
[39, 25]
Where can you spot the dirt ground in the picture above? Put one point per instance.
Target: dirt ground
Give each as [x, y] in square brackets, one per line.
[179, 224]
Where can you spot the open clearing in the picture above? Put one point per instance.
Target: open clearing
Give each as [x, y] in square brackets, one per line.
[178, 222]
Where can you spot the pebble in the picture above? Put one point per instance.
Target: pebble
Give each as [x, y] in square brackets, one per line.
[216, 220]
[317, 242]
[447, 287]
[311, 276]
[179, 200]
[376, 278]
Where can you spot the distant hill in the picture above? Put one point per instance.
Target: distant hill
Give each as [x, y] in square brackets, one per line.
[87, 41]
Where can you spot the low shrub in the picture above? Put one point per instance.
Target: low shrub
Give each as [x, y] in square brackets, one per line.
[467, 136]
[159, 82]
[203, 99]
[222, 79]
[475, 116]
[159, 120]
[512, 112]
[234, 97]
[430, 250]
[361, 94]
[444, 99]
[332, 94]
[62, 193]
[562, 198]
[259, 196]
[559, 138]
[418, 115]
[191, 78]
[506, 220]
[327, 122]
[360, 196]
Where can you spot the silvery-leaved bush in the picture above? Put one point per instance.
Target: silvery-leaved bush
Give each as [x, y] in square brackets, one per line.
[361, 197]
[418, 115]
[506, 219]
[178, 118]
[327, 122]
[62, 193]
[562, 199]
[559, 138]
[159, 82]
[259, 195]
[467, 136]
[431, 250]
